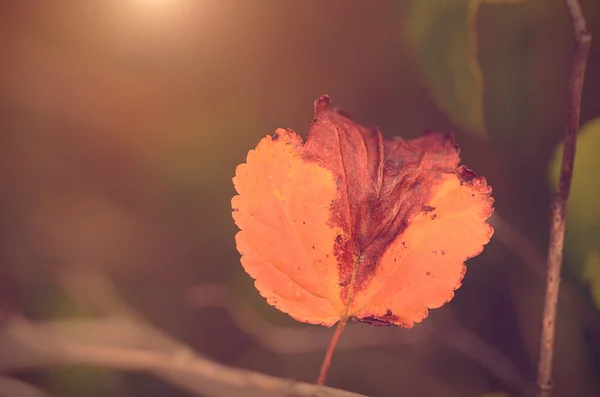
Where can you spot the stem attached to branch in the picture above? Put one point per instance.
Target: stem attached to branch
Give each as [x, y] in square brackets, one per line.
[330, 349]
[559, 203]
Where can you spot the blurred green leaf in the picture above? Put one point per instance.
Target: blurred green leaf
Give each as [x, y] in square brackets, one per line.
[583, 221]
[591, 273]
[443, 35]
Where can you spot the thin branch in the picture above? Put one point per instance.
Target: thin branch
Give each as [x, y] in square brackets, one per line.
[124, 344]
[583, 41]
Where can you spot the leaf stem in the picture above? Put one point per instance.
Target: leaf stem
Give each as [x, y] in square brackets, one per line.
[339, 329]
[330, 349]
[559, 203]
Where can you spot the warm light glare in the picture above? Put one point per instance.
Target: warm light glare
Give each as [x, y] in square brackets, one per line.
[154, 3]
[155, 7]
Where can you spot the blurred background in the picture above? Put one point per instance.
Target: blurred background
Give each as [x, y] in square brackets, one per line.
[122, 122]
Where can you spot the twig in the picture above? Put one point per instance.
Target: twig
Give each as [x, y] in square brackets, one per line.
[124, 344]
[583, 41]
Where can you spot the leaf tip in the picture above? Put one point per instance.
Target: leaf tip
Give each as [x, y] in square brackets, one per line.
[322, 104]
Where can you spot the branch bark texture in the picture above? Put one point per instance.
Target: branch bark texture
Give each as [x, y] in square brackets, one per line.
[583, 41]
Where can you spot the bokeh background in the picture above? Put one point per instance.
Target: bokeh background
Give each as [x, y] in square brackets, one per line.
[122, 122]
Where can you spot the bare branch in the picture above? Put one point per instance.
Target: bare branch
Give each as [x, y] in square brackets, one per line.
[583, 41]
[124, 344]
[124, 340]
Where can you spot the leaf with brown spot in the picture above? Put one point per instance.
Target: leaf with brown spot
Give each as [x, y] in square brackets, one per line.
[349, 225]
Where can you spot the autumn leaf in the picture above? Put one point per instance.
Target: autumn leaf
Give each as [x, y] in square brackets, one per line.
[349, 225]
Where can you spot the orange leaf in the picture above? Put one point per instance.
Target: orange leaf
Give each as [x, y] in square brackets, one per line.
[350, 225]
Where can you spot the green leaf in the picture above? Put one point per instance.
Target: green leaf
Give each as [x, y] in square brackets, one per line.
[583, 212]
[591, 273]
[444, 37]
